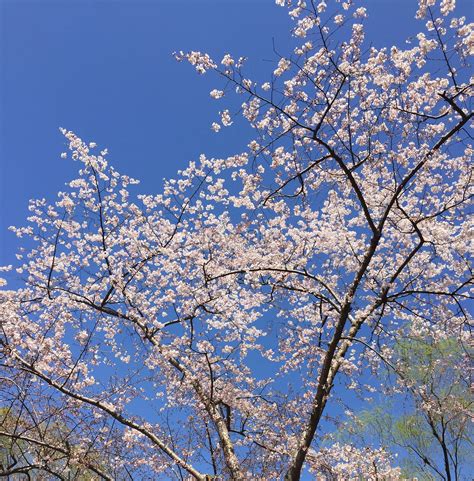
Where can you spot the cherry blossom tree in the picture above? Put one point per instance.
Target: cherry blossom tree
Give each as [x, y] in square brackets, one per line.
[224, 328]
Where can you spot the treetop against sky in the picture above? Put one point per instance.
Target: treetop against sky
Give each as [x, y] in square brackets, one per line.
[286, 293]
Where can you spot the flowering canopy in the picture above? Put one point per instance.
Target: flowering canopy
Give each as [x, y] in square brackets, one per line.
[201, 332]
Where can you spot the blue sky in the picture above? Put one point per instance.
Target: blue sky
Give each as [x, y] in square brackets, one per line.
[104, 69]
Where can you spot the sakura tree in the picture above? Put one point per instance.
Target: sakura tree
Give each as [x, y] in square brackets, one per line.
[226, 327]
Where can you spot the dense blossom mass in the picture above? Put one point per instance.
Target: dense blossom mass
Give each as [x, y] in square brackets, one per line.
[295, 311]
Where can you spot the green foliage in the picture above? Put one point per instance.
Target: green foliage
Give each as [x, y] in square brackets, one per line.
[19, 452]
[437, 402]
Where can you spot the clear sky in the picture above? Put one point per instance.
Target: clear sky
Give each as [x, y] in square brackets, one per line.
[104, 69]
